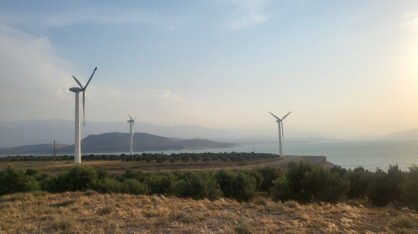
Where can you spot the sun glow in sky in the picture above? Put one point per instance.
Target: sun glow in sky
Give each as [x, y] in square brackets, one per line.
[345, 68]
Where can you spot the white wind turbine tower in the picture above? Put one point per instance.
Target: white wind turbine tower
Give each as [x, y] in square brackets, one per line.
[131, 125]
[281, 132]
[77, 134]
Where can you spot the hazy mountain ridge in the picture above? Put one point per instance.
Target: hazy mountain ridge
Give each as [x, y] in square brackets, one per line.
[119, 142]
[410, 134]
[32, 132]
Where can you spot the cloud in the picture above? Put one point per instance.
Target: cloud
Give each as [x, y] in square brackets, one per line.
[410, 21]
[32, 79]
[247, 13]
[34, 85]
[168, 95]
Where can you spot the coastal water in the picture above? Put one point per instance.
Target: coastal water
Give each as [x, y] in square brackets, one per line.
[368, 154]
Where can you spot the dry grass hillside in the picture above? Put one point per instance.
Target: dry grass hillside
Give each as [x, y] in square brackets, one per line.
[90, 212]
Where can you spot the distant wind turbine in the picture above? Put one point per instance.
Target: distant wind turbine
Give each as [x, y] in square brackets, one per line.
[281, 132]
[131, 125]
[77, 134]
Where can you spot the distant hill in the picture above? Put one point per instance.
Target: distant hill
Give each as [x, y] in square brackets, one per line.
[33, 149]
[32, 132]
[410, 134]
[119, 142]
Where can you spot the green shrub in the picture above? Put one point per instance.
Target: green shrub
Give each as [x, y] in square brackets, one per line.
[378, 191]
[342, 172]
[269, 175]
[321, 184]
[79, 178]
[385, 187]
[360, 180]
[305, 182]
[109, 185]
[409, 188]
[133, 174]
[244, 187]
[197, 185]
[102, 174]
[257, 176]
[226, 180]
[281, 190]
[14, 180]
[240, 187]
[133, 186]
[162, 183]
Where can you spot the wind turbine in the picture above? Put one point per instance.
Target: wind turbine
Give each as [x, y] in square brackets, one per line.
[77, 90]
[131, 125]
[281, 132]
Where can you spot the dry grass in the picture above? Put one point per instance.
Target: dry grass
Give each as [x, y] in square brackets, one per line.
[79, 212]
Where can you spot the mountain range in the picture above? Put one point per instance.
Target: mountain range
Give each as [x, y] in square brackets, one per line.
[117, 142]
[31, 132]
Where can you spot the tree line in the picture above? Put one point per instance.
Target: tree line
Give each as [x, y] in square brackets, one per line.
[302, 182]
[148, 157]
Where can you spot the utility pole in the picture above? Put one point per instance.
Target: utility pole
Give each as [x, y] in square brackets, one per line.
[55, 152]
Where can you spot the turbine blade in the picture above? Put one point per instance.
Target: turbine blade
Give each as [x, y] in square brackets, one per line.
[92, 74]
[84, 108]
[275, 116]
[286, 115]
[78, 82]
[130, 117]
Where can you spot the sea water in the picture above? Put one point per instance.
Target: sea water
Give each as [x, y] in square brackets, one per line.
[349, 154]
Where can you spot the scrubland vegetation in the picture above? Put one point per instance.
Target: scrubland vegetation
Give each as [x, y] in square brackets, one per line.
[148, 157]
[302, 182]
[305, 197]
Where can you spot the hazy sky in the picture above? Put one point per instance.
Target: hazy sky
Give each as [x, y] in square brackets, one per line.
[345, 68]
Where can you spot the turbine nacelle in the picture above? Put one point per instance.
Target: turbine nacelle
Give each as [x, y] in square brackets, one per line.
[83, 89]
[131, 120]
[281, 131]
[76, 89]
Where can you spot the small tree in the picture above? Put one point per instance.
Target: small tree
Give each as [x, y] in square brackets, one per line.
[15, 180]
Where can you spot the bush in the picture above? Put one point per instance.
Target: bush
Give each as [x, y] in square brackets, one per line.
[133, 186]
[269, 175]
[79, 178]
[244, 187]
[360, 180]
[240, 187]
[305, 182]
[14, 180]
[133, 174]
[321, 184]
[197, 185]
[281, 190]
[226, 180]
[109, 185]
[385, 187]
[409, 188]
[160, 183]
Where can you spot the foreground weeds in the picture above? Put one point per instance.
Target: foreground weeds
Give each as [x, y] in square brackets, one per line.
[81, 212]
